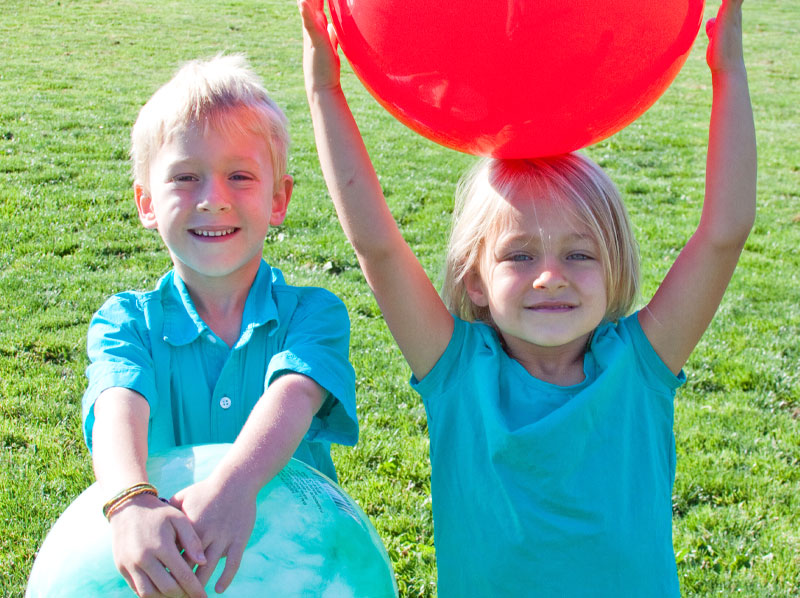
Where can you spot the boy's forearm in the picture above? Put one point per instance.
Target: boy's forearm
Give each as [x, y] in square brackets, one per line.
[271, 434]
[119, 439]
[729, 208]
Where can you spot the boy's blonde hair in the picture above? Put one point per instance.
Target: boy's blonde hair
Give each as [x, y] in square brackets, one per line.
[223, 93]
[576, 185]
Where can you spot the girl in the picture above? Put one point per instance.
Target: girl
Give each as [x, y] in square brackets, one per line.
[550, 409]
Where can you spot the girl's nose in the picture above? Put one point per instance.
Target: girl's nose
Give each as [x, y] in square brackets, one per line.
[550, 277]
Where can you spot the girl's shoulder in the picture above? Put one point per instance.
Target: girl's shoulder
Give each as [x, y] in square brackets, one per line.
[624, 343]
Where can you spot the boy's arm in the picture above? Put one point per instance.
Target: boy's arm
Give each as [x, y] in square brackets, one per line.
[147, 535]
[686, 301]
[413, 310]
[222, 508]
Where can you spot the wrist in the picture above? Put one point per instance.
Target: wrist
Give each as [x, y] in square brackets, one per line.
[318, 92]
[143, 500]
[237, 482]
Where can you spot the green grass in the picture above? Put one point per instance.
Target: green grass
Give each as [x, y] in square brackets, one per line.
[73, 77]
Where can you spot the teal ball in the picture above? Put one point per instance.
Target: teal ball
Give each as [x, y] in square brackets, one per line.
[310, 539]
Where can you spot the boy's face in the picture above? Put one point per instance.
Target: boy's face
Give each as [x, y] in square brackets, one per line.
[212, 198]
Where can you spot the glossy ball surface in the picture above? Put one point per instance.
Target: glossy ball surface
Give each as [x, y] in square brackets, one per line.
[310, 539]
[516, 78]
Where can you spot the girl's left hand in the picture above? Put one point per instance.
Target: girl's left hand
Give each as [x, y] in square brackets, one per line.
[223, 517]
[321, 63]
[724, 32]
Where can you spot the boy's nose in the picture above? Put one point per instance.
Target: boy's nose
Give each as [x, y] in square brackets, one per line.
[214, 198]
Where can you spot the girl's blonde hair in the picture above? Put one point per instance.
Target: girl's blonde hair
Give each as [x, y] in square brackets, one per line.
[573, 182]
[222, 93]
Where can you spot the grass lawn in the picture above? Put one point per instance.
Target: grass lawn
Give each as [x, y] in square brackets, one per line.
[73, 76]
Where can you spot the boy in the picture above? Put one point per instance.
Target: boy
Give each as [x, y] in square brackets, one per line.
[222, 350]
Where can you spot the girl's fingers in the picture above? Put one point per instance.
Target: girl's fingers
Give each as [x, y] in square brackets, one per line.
[710, 27]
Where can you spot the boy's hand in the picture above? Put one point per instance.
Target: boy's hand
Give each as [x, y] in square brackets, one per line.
[724, 51]
[320, 59]
[223, 517]
[147, 537]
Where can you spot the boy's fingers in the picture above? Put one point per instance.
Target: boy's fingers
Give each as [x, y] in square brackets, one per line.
[232, 562]
[179, 580]
[189, 541]
[203, 572]
[139, 583]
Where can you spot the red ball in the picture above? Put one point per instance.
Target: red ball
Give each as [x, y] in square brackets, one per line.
[516, 78]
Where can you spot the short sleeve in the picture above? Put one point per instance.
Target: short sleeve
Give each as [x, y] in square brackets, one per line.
[317, 345]
[654, 371]
[118, 347]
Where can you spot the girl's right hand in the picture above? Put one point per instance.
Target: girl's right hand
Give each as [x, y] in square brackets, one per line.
[147, 537]
[320, 57]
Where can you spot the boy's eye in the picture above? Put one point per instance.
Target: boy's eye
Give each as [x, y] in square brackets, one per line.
[241, 176]
[185, 178]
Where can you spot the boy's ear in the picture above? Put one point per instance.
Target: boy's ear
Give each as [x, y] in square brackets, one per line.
[144, 206]
[280, 200]
[475, 288]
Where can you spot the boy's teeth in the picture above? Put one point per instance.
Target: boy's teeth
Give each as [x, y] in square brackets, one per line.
[214, 233]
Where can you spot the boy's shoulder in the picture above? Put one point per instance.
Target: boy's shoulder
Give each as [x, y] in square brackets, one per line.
[134, 307]
[293, 298]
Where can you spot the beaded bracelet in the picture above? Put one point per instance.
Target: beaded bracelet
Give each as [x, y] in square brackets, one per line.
[119, 499]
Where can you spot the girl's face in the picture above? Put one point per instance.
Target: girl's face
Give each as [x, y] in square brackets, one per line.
[541, 278]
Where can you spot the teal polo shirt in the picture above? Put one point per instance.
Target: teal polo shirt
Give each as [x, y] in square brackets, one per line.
[202, 391]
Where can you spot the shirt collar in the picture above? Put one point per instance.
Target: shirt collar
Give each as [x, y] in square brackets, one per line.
[183, 325]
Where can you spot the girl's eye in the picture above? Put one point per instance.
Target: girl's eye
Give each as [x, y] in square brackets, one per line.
[520, 257]
[579, 256]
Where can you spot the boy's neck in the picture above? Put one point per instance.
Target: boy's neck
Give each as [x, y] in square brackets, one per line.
[220, 301]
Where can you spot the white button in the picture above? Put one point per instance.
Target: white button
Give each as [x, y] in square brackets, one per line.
[211, 338]
[224, 402]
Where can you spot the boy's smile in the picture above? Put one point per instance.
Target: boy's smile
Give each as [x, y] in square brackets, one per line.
[212, 198]
[213, 233]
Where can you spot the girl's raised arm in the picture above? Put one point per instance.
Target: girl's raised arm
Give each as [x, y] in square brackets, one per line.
[413, 310]
[686, 301]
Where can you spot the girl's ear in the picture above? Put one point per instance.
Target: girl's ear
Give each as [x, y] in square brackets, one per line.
[475, 288]
[280, 200]
[144, 206]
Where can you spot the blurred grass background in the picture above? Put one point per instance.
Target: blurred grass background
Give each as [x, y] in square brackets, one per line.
[72, 78]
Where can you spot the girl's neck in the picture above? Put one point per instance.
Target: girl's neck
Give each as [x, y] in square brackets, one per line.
[562, 365]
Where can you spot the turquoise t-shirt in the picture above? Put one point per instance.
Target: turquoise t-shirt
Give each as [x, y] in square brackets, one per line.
[200, 390]
[548, 491]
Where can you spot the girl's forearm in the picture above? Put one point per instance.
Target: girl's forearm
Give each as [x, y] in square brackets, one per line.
[350, 176]
[730, 204]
